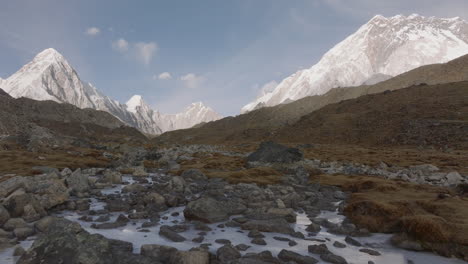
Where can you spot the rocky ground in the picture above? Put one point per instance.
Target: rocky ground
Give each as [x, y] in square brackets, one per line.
[176, 212]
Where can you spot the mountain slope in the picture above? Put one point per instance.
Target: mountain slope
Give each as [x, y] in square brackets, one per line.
[383, 46]
[420, 115]
[35, 123]
[266, 121]
[49, 76]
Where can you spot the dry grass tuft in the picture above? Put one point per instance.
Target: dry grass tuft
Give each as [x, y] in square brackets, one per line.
[260, 176]
[428, 228]
[376, 216]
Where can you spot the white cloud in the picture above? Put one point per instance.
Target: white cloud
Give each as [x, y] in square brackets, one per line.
[145, 51]
[120, 45]
[164, 76]
[191, 80]
[92, 31]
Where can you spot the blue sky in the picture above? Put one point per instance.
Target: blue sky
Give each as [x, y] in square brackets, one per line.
[215, 51]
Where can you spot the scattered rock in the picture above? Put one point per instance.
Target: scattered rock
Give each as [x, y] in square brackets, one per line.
[168, 233]
[270, 152]
[286, 255]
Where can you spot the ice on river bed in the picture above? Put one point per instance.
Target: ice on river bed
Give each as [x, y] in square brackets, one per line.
[131, 233]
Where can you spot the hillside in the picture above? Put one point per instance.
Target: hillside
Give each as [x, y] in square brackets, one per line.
[421, 115]
[29, 122]
[260, 123]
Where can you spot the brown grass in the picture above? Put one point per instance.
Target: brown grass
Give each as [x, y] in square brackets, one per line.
[395, 206]
[21, 162]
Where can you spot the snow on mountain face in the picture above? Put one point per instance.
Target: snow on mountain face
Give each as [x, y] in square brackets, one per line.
[50, 77]
[194, 114]
[382, 47]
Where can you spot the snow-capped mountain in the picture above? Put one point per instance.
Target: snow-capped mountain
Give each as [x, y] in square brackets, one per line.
[189, 117]
[50, 77]
[381, 48]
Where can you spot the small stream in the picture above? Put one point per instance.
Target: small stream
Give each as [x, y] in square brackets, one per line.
[133, 233]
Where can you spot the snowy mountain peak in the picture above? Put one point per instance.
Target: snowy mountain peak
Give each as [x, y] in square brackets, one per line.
[49, 76]
[385, 46]
[134, 102]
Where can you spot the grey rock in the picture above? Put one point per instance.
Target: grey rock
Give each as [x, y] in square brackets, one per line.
[78, 182]
[370, 251]
[352, 241]
[168, 233]
[4, 215]
[271, 152]
[278, 225]
[210, 210]
[227, 253]
[286, 255]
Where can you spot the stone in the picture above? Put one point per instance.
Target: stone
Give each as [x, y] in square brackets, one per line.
[255, 234]
[271, 152]
[278, 225]
[338, 244]
[313, 228]
[332, 258]
[177, 184]
[140, 172]
[258, 241]
[190, 257]
[287, 213]
[78, 182]
[352, 241]
[318, 249]
[23, 232]
[18, 251]
[370, 251]
[194, 174]
[159, 252]
[404, 242]
[4, 215]
[19, 200]
[286, 255]
[113, 177]
[168, 233]
[453, 178]
[43, 224]
[155, 199]
[14, 223]
[210, 210]
[227, 253]
[133, 188]
[66, 242]
[223, 241]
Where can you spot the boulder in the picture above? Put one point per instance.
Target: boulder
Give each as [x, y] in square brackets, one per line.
[133, 188]
[23, 232]
[210, 210]
[113, 177]
[177, 184]
[25, 205]
[227, 253]
[168, 233]
[14, 223]
[159, 252]
[193, 174]
[4, 215]
[286, 255]
[271, 152]
[66, 242]
[78, 182]
[190, 257]
[453, 178]
[140, 172]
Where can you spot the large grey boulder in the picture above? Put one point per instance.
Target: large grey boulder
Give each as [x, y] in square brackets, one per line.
[210, 210]
[271, 152]
[78, 182]
[66, 242]
[193, 174]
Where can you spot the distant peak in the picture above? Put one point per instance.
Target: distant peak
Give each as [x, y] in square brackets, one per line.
[197, 104]
[134, 102]
[49, 54]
